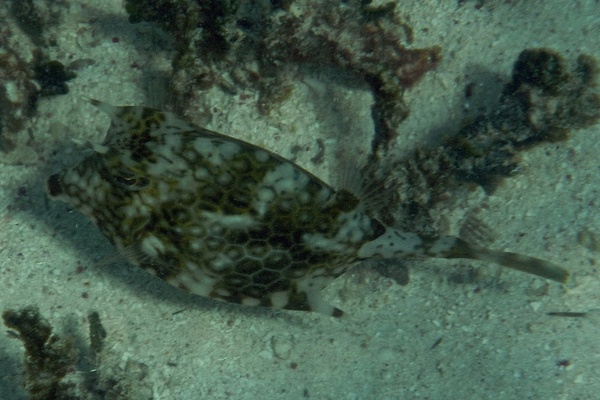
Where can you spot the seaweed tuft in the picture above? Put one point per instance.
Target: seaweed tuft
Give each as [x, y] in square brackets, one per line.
[71, 368]
[48, 358]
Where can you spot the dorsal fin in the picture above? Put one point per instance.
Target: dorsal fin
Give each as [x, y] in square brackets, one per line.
[112, 111]
[118, 130]
[374, 194]
[126, 121]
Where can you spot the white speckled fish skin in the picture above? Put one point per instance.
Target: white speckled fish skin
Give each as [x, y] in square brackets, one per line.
[225, 219]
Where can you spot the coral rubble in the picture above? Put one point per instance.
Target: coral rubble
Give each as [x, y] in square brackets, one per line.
[260, 44]
[51, 362]
[17, 96]
[26, 73]
[48, 358]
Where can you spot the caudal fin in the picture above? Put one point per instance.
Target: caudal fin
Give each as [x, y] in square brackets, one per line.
[397, 244]
[531, 265]
[482, 234]
[523, 263]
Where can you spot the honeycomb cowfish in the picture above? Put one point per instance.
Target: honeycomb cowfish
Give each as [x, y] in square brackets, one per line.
[228, 220]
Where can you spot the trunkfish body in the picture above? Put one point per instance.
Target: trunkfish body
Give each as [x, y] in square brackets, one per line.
[225, 219]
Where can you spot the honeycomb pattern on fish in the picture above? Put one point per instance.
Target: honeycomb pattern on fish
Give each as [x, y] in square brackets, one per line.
[225, 219]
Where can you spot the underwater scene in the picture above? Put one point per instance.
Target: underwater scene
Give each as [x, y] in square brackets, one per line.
[299, 199]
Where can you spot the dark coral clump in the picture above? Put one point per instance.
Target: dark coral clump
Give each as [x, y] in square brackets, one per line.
[52, 77]
[545, 100]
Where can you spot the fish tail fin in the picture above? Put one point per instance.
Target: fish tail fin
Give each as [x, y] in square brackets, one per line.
[395, 243]
[520, 262]
[531, 265]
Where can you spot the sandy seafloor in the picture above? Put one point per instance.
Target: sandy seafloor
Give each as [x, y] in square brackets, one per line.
[497, 341]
